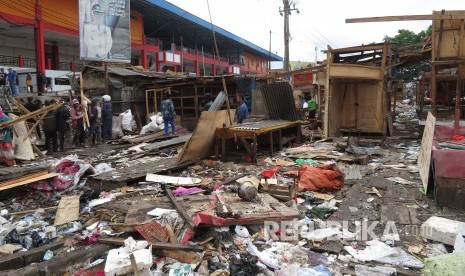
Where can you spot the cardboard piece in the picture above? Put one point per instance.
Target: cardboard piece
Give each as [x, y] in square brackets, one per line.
[68, 210]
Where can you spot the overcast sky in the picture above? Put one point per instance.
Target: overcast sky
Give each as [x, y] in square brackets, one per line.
[318, 24]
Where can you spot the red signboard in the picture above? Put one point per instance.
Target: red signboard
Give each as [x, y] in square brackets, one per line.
[303, 79]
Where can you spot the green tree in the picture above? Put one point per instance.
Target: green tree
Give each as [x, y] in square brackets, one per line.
[407, 41]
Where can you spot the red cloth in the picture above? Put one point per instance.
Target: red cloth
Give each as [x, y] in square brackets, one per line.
[315, 179]
[458, 137]
[270, 173]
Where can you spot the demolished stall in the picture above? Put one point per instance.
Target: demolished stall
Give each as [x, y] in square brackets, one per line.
[355, 96]
[188, 93]
[280, 127]
[125, 86]
[445, 83]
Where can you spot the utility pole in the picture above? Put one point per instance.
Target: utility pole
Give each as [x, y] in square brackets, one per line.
[286, 11]
[269, 55]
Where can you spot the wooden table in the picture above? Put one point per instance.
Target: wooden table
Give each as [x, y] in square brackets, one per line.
[251, 131]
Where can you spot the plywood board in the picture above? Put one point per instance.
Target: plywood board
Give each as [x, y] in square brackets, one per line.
[424, 157]
[68, 210]
[448, 44]
[204, 135]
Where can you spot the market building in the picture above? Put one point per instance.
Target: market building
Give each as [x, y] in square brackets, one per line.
[44, 34]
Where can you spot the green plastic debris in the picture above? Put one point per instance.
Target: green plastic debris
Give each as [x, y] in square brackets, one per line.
[310, 162]
[447, 264]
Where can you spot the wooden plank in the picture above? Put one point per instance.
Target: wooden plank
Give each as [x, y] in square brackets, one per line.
[26, 180]
[68, 210]
[355, 71]
[180, 181]
[424, 157]
[404, 18]
[155, 245]
[204, 134]
[134, 265]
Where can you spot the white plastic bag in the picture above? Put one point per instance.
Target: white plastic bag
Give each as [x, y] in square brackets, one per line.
[126, 120]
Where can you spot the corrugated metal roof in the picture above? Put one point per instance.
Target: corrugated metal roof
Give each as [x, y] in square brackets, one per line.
[177, 13]
[279, 101]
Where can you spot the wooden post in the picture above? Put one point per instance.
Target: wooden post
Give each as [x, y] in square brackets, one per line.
[147, 102]
[458, 90]
[83, 100]
[327, 94]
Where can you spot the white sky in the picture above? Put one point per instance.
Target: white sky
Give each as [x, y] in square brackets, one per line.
[318, 24]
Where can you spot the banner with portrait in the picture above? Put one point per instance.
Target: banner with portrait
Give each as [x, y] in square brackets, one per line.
[104, 30]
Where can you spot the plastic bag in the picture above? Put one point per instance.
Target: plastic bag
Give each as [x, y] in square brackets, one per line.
[126, 120]
[117, 131]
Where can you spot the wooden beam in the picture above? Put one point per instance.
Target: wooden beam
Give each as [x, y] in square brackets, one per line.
[30, 115]
[406, 18]
[179, 207]
[34, 126]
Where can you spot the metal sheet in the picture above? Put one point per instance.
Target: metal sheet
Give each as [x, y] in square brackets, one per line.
[219, 101]
[279, 101]
[167, 143]
[262, 124]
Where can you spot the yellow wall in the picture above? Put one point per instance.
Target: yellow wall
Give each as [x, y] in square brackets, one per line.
[137, 27]
[26, 9]
[61, 13]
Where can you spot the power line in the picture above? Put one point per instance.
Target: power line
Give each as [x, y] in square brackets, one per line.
[330, 42]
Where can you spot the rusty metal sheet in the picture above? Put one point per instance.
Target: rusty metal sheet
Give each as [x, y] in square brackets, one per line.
[450, 192]
[279, 101]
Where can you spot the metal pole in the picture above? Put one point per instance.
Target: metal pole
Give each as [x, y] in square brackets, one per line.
[106, 79]
[286, 35]
[269, 55]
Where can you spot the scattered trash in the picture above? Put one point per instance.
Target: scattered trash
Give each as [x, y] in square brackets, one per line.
[400, 180]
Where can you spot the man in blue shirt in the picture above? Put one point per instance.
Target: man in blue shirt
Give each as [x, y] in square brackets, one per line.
[12, 82]
[242, 111]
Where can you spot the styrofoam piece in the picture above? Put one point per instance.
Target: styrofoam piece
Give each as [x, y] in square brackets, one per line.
[119, 261]
[441, 230]
[375, 250]
[459, 245]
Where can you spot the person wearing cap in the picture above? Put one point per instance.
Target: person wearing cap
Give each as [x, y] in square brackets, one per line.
[7, 149]
[206, 103]
[97, 35]
[107, 118]
[77, 117]
[11, 76]
[62, 114]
